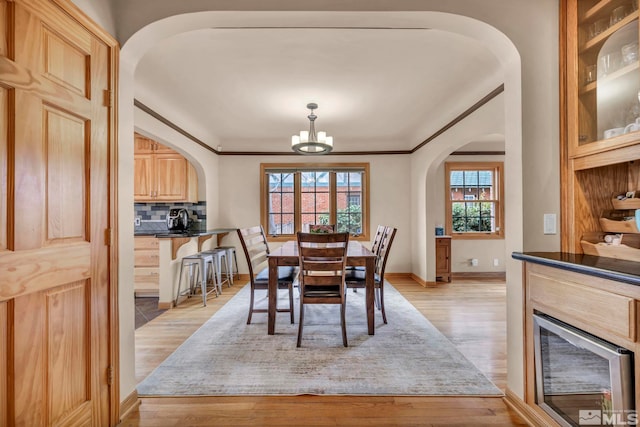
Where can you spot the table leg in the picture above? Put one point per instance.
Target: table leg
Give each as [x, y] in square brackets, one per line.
[273, 295]
[370, 294]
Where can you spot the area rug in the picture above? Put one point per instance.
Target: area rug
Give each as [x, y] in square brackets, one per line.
[407, 356]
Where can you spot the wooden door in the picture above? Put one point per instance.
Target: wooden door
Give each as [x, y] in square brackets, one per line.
[55, 121]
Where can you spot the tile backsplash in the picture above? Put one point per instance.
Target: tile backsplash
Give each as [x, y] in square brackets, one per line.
[152, 217]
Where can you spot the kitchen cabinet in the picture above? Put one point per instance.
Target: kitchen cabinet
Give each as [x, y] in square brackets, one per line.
[162, 174]
[600, 117]
[146, 266]
[443, 258]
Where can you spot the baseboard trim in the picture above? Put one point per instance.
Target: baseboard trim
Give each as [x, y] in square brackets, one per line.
[418, 279]
[526, 412]
[128, 405]
[399, 275]
[165, 305]
[495, 275]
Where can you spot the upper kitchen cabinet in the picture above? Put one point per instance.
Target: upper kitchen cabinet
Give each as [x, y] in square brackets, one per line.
[603, 76]
[162, 174]
[144, 145]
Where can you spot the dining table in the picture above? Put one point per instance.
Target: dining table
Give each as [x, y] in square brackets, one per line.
[287, 255]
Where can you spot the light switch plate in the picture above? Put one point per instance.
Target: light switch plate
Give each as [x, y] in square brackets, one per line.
[549, 223]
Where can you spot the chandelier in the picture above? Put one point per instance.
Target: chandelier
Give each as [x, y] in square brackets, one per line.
[310, 142]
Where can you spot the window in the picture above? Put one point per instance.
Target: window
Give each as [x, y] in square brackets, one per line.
[295, 195]
[473, 200]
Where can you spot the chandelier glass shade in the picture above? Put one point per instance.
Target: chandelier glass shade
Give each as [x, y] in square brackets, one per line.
[310, 142]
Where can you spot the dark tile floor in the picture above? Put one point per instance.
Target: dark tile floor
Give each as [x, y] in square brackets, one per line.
[146, 310]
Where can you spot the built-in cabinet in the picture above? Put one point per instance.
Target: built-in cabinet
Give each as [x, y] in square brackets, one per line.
[161, 174]
[146, 266]
[600, 119]
[600, 160]
[443, 258]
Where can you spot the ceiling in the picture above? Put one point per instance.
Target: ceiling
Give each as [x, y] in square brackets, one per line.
[377, 89]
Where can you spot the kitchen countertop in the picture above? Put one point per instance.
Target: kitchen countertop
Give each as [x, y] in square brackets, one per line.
[607, 268]
[188, 233]
[195, 233]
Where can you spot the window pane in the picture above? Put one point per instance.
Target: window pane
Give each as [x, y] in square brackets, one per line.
[280, 203]
[280, 224]
[473, 194]
[312, 193]
[349, 202]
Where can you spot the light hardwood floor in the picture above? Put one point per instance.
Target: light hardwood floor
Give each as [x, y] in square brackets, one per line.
[470, 313]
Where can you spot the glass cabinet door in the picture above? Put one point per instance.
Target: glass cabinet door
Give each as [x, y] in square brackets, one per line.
[606, 78]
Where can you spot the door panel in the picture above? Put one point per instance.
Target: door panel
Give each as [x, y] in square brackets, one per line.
[66, 175]
[55, 267]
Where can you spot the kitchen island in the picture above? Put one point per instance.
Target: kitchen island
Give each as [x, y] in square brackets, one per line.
[172, 247]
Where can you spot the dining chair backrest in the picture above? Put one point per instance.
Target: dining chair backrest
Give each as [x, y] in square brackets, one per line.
[377, 239]
[323, 258]
[383, 252]
[256, 249]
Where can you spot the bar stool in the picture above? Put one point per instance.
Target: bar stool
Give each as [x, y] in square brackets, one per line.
[198, 269]
[218, 255]
[231, 260]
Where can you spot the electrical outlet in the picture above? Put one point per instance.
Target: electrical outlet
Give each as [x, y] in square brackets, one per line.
[496, 262]
[474, 262]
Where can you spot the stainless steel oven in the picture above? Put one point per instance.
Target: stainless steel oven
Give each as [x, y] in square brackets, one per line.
[581, 379]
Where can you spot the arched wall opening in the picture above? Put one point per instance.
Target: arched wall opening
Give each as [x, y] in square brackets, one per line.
[424, 162]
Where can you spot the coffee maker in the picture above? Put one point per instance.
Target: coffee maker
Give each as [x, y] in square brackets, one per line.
[177, 219]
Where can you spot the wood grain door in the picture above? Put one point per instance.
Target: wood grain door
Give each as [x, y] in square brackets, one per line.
[55, 130]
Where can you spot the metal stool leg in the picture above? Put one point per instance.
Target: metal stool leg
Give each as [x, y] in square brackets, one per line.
[231, 258]
[193, 272]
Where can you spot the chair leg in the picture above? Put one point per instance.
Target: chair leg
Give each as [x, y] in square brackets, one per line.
[250, 306]
[343, 323]
[229, 268]
[381, 297]
[291, 302]
[301, 320]
[175, 303]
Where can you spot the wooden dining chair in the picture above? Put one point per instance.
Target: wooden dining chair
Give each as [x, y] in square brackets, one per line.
[375, 248]
[323, 258]
[356, 278]
[255, 246]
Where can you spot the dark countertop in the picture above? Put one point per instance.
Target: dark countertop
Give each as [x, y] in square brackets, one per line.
[607, 268]
[196, 233]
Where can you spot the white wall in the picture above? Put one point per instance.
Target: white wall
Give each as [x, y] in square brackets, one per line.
[389, 196]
